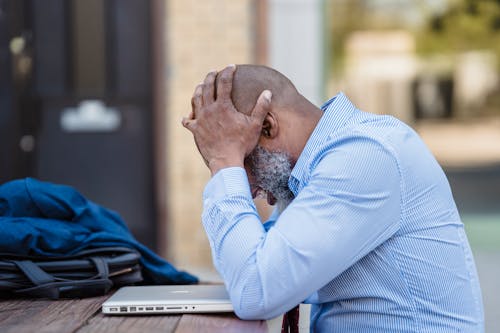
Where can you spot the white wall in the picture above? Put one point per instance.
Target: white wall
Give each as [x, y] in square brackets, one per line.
[296, 44]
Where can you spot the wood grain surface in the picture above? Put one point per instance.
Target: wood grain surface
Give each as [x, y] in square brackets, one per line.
[84, 316]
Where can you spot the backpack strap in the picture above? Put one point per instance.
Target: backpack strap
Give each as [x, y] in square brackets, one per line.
[102, 267]
[37, 276]
[33, 272]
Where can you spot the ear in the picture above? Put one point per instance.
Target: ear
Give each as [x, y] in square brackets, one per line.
[270, 127]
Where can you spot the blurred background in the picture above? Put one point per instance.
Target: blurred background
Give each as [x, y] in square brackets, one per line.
[92, 93]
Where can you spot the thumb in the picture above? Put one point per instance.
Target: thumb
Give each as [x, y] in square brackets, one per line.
[188, 123]
[262, 107]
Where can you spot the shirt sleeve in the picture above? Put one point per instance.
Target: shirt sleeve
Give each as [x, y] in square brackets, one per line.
[350, 205]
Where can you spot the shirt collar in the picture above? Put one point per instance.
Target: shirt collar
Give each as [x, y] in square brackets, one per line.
[336, 112]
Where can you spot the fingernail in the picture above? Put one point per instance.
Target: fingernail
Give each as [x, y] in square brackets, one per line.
[267, 95]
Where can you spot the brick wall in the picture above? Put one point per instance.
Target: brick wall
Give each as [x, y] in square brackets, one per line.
[200, 35]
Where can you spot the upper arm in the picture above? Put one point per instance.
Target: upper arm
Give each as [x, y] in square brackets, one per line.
[350, 205]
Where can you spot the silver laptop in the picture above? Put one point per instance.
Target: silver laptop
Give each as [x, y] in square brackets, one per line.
[168, 299]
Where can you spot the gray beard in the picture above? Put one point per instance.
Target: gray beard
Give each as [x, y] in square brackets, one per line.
[271, 172]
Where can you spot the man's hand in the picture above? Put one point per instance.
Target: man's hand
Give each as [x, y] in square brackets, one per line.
[223, 135]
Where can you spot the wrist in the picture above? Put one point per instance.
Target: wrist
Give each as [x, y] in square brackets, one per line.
[217, 164]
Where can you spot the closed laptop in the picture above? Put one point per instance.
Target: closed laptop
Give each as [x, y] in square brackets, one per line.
[168, 299]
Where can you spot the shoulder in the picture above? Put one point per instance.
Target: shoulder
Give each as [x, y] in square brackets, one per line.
[363, 143]
[367, 145]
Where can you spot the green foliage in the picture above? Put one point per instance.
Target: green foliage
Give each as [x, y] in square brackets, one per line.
[465, 25]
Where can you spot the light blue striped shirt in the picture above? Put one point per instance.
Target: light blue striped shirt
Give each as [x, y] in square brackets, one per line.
[372, 240]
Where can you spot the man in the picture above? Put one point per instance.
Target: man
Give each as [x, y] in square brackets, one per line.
[366, 228]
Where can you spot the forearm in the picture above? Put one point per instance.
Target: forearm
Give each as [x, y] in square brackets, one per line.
[237, 237]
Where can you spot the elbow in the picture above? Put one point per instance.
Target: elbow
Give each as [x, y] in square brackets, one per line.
[251, 299]
[255, 310]
[253, 314]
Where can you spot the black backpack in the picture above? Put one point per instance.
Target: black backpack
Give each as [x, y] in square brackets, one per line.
[88, 273]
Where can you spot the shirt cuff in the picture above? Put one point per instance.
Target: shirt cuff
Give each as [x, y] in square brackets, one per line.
[227, 182]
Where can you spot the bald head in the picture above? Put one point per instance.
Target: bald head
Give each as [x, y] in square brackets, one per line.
[250, 80]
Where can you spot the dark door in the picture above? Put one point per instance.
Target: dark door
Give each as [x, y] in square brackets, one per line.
[83, 114]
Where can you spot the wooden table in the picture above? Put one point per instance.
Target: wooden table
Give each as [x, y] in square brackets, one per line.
[84, 315]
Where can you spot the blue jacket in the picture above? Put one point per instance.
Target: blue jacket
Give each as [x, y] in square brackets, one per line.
[40, 218]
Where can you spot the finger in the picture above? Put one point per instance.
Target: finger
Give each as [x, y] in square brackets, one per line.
[197, 99]
[262, 107]
[208, 89]
[225, 82]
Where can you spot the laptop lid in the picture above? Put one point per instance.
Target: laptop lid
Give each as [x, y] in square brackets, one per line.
[168, 299]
